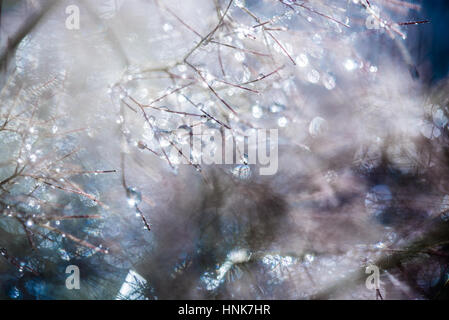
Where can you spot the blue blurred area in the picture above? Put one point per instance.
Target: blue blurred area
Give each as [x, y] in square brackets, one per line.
[439, 55]
[430, 46]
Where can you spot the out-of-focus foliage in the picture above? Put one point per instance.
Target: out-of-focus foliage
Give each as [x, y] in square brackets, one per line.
[92, 121]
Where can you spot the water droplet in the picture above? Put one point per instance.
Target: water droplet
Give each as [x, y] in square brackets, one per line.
[164, 142]
[239, 56]
[313, 76]
[245, 159]
[329, 81]
[182, 68]
[309, 258]
[63, 254]
[391, 237]
[141, 145]
[183, 134]
[331, 176]
[276, 107]
[182, 98]
[134, 197]
[239, 256]
[167, 27]
[246, 74]
[380, 245]
[317, 126]
[439, 118]
[350, 65]
[239, 3]
[302, 60]
[209, 281]
[282, 122]
[14, 293]
[257, 111]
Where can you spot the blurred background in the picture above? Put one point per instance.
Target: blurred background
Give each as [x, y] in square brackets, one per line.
[362, 151]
